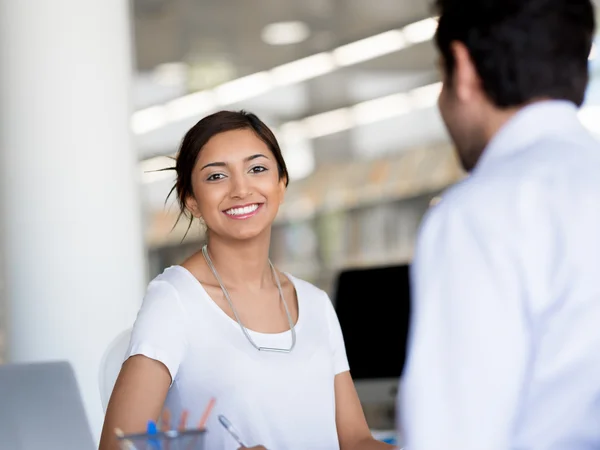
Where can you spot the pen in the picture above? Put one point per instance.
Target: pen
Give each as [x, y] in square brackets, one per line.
[232, 431]
[202, 423]
[183, 420]
[165, 421]
[206, 414]
[152, 430]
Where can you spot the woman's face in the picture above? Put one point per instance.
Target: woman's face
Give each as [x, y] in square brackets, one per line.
[236, 185]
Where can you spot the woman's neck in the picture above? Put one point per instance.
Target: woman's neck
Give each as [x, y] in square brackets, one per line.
[242, 263]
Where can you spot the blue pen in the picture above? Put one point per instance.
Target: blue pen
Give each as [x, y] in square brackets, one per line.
[153, 430]
[231, 430]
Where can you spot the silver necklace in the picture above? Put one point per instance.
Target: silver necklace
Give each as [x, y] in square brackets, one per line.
[237, 317]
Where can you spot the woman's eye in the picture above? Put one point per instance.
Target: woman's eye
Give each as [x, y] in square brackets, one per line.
[215, 177]
[258, 169]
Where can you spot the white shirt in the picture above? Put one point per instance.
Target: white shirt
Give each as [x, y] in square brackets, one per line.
[505, 341]
[284, 401]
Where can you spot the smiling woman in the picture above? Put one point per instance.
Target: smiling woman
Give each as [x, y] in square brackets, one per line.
[226, 324]
[230, 150]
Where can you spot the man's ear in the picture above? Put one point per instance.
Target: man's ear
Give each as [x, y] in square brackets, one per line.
[466, 81]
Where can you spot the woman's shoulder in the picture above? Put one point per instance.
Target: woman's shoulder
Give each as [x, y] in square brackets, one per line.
[170, 274]
[307, 290]
[175, 280]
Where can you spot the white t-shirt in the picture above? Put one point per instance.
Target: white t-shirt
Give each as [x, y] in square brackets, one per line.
[284, 401]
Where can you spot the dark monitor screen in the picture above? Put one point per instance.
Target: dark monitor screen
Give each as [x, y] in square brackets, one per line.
[373, 307]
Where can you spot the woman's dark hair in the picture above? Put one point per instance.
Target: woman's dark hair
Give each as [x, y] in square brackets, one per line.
[523, 49]
[198, 136]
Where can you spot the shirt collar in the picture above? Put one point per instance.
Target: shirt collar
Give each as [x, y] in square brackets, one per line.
[529, 125]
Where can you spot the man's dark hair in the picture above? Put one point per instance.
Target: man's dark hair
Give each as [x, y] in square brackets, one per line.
[523, 50]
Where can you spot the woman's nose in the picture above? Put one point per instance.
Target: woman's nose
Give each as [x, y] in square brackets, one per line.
[239, 186]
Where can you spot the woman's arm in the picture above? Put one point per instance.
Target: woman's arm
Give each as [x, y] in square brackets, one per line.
[352, 428]
[138, 396]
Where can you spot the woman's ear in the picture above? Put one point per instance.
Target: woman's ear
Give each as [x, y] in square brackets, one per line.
[282, 189]
[192, 206]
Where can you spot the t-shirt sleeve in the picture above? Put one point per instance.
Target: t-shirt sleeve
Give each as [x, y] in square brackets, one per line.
[336, 340]
[159, 330]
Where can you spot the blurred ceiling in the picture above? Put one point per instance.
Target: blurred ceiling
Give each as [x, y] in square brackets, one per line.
[184, 46]
[228, 32]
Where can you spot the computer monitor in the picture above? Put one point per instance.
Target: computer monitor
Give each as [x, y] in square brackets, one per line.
[373, 307]
[41, 408]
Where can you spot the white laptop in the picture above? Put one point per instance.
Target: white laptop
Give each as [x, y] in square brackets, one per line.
[41, 408]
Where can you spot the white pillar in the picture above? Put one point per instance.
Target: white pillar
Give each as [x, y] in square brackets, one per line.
[70, 225]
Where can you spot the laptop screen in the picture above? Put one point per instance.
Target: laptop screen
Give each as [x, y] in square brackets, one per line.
[373, 307]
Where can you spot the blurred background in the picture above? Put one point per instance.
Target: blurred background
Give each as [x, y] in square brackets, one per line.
[349, 86]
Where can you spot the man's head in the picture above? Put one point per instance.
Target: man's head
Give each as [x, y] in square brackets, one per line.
[500, 55]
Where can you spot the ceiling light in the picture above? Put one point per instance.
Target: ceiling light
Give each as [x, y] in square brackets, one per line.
[381, 108]
[425, 96]
[369, 48]
[363, 113]
[420, 31]
[330, 122]
[285, 33]
[292, 132]
[170, 74]
[303, 69]
[243, 88]
[191, 105]
[148, 119]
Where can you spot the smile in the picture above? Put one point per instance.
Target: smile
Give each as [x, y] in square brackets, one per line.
[243, 212]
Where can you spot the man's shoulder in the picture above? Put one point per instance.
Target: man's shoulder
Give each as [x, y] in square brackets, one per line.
[544, 171]
[471, 192]
[547, 186]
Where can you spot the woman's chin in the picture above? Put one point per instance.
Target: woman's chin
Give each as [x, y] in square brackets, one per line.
[246, 233]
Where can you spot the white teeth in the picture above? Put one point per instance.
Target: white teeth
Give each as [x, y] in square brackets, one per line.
[241, 211]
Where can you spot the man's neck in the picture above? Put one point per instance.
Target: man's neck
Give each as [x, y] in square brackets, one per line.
[499, 117]
[497, 120]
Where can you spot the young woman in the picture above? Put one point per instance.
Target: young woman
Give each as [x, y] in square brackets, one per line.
[227, 325]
